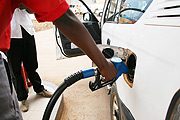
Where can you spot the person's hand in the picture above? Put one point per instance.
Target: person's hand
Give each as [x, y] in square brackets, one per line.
[109, 71]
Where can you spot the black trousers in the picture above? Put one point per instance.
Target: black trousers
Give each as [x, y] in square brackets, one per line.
[24, 50]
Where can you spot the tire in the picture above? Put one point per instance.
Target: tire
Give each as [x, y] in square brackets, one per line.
[114, 103]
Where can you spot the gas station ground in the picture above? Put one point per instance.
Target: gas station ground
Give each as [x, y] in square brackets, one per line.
[79, 103]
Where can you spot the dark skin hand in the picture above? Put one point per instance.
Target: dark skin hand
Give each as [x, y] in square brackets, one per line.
[75, 31]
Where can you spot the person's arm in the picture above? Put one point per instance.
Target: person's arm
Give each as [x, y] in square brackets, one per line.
[75, 31]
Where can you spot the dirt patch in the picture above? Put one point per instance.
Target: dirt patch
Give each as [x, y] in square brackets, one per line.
[41, 26]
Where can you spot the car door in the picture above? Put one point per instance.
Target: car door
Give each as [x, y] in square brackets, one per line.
[65, 48]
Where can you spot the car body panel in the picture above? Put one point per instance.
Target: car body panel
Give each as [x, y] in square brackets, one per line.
[164, 13]
[157, 49]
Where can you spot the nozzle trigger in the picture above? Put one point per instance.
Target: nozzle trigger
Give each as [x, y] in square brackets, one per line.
[97, 84]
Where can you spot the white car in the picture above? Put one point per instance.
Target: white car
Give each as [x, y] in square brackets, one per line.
[145, 35]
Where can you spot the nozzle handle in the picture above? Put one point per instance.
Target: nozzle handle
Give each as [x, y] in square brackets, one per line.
[118, 63]
[120, 66]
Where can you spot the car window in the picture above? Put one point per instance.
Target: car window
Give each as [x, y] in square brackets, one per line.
[112, 7]
[126, 11]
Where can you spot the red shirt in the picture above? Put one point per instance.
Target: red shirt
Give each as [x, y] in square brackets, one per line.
[45, 10]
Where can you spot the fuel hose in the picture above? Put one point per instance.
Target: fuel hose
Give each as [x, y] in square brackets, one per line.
[67, 82]
[82, 74]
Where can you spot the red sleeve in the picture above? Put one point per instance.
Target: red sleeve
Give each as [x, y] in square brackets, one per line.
[47, 10]
[5, 40]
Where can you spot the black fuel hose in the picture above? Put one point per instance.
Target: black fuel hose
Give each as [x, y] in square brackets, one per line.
[67, 82]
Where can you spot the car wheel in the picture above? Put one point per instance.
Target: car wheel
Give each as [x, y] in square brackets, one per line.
[114, 103]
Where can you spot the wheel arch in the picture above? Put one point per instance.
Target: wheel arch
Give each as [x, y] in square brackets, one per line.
[123, 112]
[175, 102]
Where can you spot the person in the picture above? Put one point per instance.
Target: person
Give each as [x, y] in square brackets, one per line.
[62, 17]
[23, 50]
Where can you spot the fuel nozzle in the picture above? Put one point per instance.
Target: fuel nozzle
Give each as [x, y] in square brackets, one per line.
[98, 83]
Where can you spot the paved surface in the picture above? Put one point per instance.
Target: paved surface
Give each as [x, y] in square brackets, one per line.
[79, 102]
[37, 104]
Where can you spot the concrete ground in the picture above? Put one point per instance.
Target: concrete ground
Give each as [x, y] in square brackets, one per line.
[79, 102]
